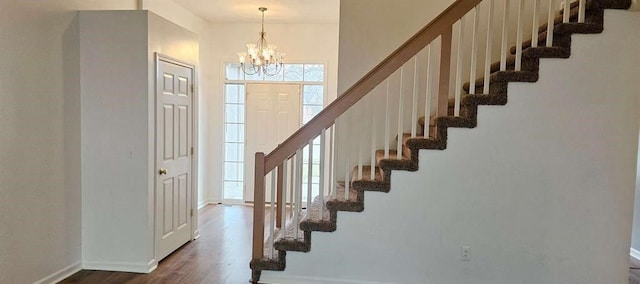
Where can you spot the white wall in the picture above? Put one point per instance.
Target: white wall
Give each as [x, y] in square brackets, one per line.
[117, 63]
[369, 33]
[186, 19]
[39, 173]
[309, 43]
[115, 142]
[542, 191]
[40, 206]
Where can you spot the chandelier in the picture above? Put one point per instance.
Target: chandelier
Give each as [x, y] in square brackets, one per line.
[261, 57]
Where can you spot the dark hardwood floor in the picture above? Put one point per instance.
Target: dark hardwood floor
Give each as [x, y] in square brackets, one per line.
[220, 255]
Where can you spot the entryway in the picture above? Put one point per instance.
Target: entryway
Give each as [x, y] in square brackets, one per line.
[261, 111]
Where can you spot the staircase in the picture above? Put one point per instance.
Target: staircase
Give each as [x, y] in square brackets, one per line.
[457, 108]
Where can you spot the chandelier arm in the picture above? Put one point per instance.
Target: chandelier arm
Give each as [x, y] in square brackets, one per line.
[255, 69]
[278, 68]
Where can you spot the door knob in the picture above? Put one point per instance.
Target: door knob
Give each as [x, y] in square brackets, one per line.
[162, 171]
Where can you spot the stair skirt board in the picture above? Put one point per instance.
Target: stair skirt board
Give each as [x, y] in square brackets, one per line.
[411, 146]
[61, 274]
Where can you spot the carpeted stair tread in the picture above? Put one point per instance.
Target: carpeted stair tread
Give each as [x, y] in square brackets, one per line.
[432, 121]
[393, 154]
[275, 263]
[287, 239]
[366, 174]
[312, 220]
[354, 203]
[506, 76]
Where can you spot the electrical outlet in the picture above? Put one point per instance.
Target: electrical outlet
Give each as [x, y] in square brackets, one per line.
[465, 253]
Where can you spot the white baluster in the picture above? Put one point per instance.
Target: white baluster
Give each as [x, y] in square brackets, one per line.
[333, 164]
[283, 211]
[505, 36]
[400, 116]
[458, 88]
[292, 187]
[296, 213]
[387, 121]
[323, 140]
[550, 24]
[272, 219]
[347, 166]
[519, 36]
[414, 102]
[487, 58]
[474, 51]
[310, 176]
[374, 133]
[536, 23]
[581, 11]
[427, 100]
[567, 10]
[361, 139]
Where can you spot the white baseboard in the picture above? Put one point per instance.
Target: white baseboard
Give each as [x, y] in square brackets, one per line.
[121, 266]
[635, 254]
[282, 279]
[207, 202]
[60, 274]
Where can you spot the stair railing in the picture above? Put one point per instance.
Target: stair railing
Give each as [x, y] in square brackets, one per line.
[424, 76]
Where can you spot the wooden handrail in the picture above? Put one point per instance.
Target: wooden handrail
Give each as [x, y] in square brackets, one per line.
[378, 74]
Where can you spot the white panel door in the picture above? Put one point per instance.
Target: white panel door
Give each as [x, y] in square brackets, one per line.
[272, 115]
[174, 128]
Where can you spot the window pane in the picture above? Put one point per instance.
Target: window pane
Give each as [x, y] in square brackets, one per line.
[313, 95]
[313, 73]
[234, 133]
[234, 72]
[233, 190]
[234, 93]
[233, 152]
[308, 112]
[233, 171]
[234, 113]
[293, 72]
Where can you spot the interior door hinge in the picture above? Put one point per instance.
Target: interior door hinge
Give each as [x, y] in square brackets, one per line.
[193, 89]
[192, 212]
[191, 151]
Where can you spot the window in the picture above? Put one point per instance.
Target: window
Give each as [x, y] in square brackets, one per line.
[311, 79]
[234, 141]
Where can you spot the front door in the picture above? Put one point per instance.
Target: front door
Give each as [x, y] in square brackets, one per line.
[272, 115]
[174, 132]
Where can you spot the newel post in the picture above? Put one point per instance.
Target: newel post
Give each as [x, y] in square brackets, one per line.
[258, 207]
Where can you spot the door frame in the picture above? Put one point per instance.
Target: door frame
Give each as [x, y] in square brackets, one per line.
[194, 230]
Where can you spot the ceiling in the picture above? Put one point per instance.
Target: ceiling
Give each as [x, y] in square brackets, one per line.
[279, 11]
